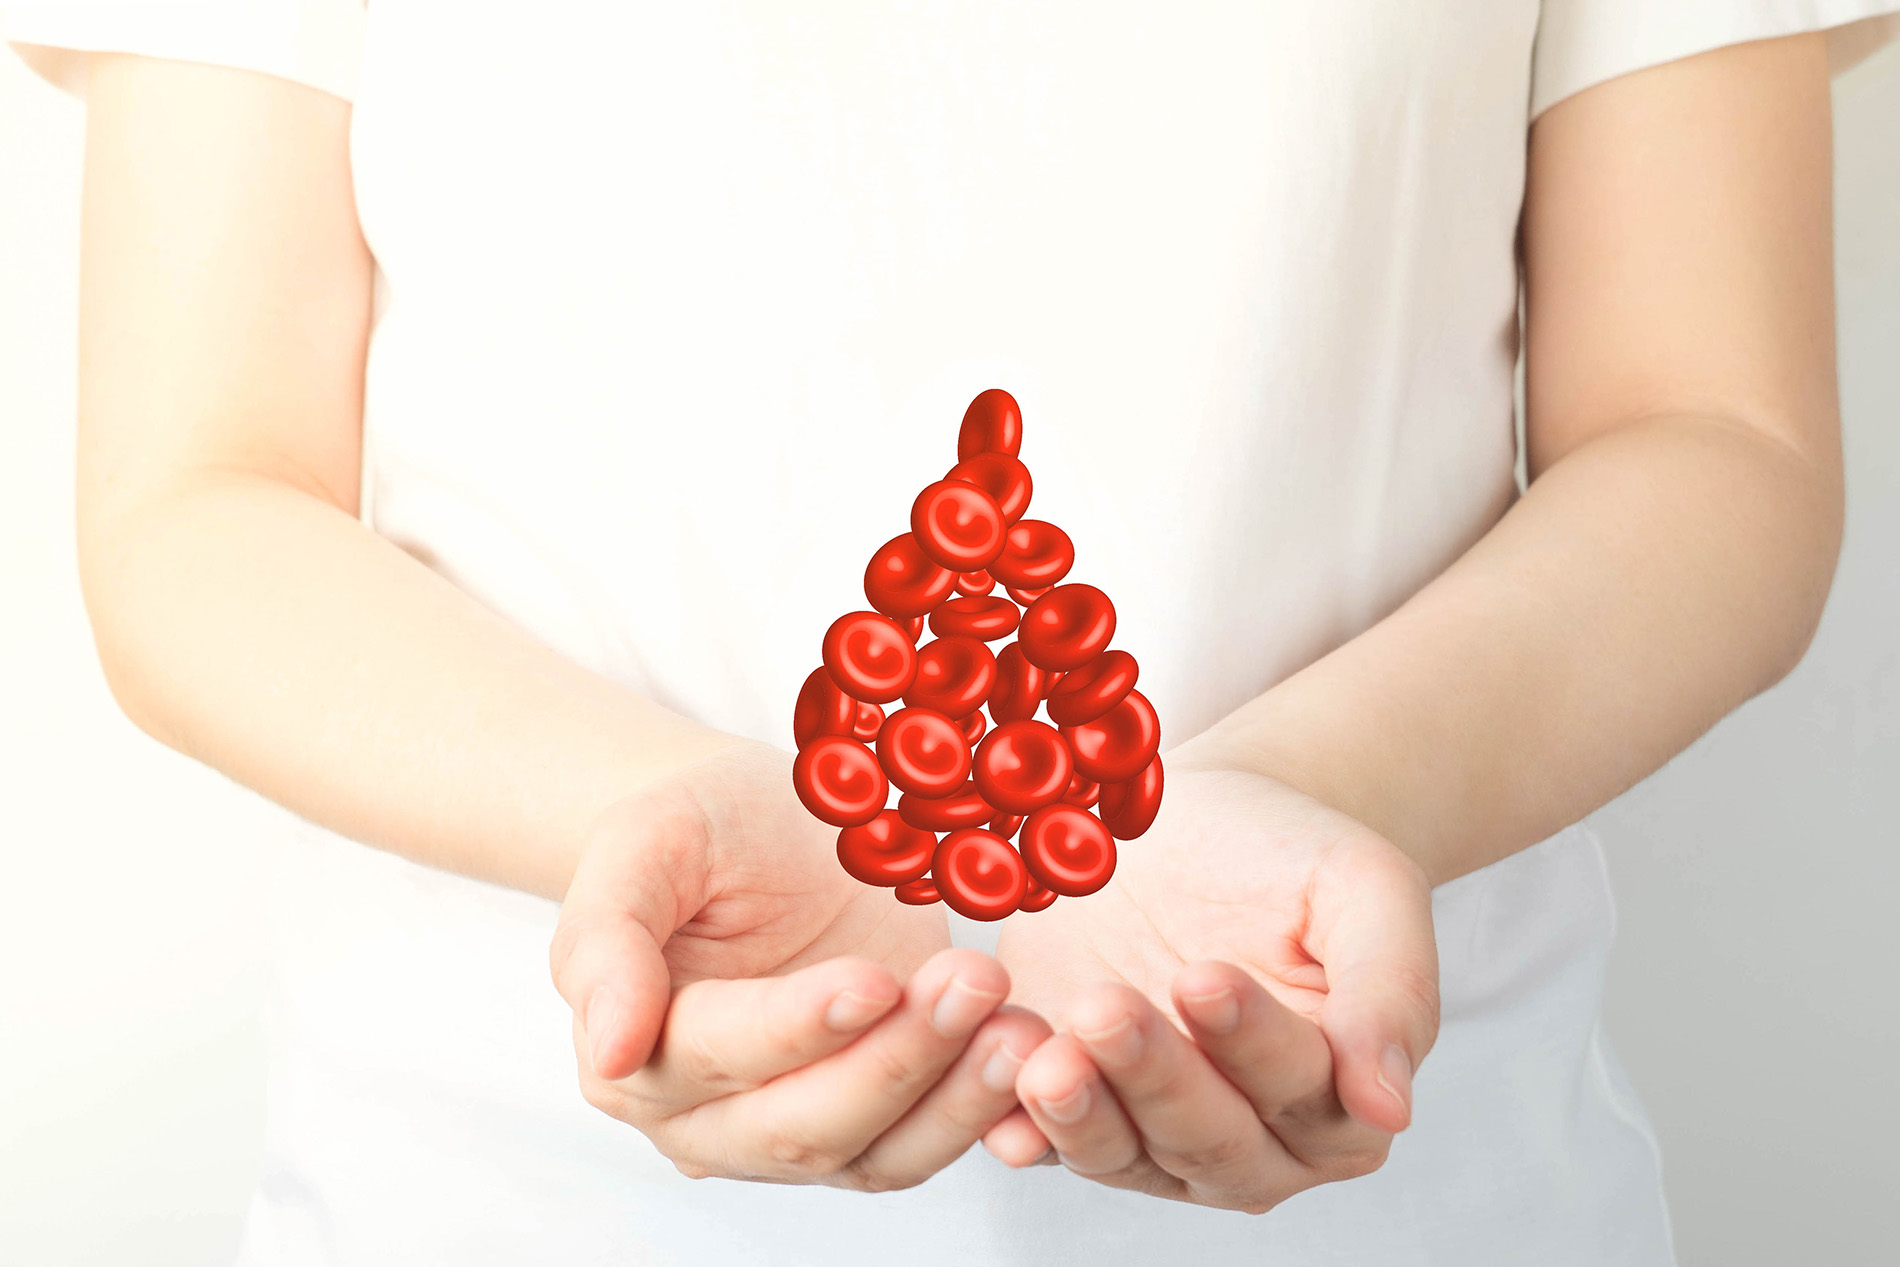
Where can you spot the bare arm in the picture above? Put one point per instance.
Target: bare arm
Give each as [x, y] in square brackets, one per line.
[1673, 552]
[243, 614]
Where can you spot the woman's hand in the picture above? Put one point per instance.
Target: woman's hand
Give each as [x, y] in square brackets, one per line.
[1244, 1003]
[737, 996]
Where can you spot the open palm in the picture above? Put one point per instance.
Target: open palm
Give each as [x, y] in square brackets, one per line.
[1234, 997]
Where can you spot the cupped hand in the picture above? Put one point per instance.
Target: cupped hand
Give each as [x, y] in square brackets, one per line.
[760, 1014]
[1242, 1007]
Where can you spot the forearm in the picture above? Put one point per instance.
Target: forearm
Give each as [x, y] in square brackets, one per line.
[1646, 584]
[258, 628]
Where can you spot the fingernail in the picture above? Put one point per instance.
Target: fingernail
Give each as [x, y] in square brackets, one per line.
[1070, 1108]
[999, 1071]
[1217, 1013]
[1119, 1044]
[850, 1010]
[961, 1008]
[1395, 1074]
[603, 1025]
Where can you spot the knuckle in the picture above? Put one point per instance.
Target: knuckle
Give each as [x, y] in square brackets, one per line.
[891, 1068]
[1355, 1162]
[791, 1152]
[1225, 1154]
[861, 1176]
[691, 1169]
[704, 1063]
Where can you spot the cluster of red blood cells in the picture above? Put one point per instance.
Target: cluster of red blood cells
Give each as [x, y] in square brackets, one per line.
[980, 780]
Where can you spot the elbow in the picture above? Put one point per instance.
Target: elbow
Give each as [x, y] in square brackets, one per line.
[107, 584]
[1810, 577]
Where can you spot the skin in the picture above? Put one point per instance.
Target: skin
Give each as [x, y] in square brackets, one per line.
[1241, 1011]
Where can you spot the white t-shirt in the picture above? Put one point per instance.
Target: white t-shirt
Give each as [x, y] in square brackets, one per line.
[1248, 267]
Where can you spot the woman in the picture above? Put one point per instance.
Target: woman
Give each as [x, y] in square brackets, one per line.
[484, 411]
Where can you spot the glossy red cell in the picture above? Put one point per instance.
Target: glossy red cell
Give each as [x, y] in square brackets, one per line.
[1005, 825]
[958, 525]
[822, 709]
[1128, 809]
[918, 892]
[992, 424]
[902, 582]
[914, 627]
[1087, 692]
[886, 851]
[975, 584]
[1035, 897]
[973, 727]
[979, 874]
[964, 807]
[1019, 687]
[1022, 765]
[869, 721]
[1066, 628]
[1067, 850]
[1002, 477]
[870, 657]
[1034, 554]
[922, 751]
[1083, 792]
[985, 619]
[839, 781]
[954, 676]
[1114, 747]
[1025, 597]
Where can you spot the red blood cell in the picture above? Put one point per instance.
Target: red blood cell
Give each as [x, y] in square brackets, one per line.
[918, 893]
[979, 874]
[975, 584]
[1026, 597]
[1005, 825]
[973, 727]
[1034, 554]
[1087, 692]
[869, 721]
[822, 709]
[1019, 688]
[985, 619]
[1114, 747]
[954, 676]
[870, 657]
[1022, 765]
[1065, 628]
[1002, 477]
[914, 627]
[902, 583]
[1067, 850]
[964, 807]
[886, 851]
[958, 525]
[1128, 809]
[1035, 897]
[922, 751]
[992, 424]
[840, 781]
[1083, 792]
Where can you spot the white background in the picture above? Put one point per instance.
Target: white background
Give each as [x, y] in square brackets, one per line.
[1753, 987]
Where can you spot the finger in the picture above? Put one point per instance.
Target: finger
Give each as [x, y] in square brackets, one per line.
[1072, 1105]
[1381, 1011]
[639, 879]
[1276, 1057]
[1017, 1141]
[722, 1037]
[814, 1120]
[1194, 1123]
[975, 1095]
[1278, 1060]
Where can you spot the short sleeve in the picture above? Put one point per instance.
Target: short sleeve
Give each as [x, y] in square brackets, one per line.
[314, 42]
[1584, 42]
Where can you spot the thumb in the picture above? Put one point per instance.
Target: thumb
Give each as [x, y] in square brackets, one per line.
[1381, 1010]
[642, 875]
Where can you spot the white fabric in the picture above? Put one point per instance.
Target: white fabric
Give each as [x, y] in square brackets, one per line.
[679, 306]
